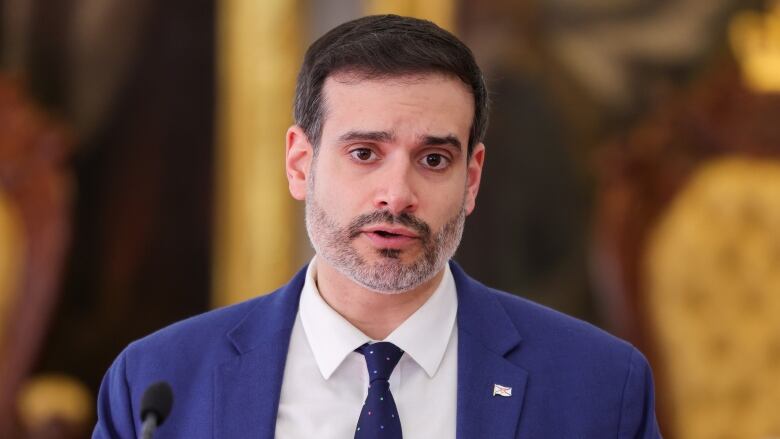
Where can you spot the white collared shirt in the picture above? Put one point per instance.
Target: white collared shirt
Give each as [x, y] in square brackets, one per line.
[325, 381]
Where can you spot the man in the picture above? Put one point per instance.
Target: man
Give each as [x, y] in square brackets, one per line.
[380, 336]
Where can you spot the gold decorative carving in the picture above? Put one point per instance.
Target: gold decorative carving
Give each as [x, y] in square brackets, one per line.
[755, 40]
[712, 272]
[11, 256]
[54, 397]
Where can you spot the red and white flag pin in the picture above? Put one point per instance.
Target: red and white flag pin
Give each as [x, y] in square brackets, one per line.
[501, 390]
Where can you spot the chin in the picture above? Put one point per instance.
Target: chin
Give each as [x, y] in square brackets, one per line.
[390, 276]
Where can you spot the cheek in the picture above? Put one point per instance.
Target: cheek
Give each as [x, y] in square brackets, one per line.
[339, 199]
[442, 206]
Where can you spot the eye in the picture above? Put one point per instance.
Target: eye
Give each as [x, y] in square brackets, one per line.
[363, 155]
[435, 161]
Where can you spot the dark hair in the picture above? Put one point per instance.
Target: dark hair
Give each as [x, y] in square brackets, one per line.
[385, 45]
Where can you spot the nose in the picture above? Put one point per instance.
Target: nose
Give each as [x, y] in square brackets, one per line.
[396, 192]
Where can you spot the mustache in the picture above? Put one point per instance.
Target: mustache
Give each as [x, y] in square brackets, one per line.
[385, 217]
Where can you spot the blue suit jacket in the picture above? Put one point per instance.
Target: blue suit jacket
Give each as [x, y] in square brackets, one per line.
[568, 378]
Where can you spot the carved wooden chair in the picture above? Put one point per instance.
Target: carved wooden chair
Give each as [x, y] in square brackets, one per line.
[35, 200]
[687, 255]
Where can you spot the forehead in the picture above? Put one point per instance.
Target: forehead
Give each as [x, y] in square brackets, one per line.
[426, 103]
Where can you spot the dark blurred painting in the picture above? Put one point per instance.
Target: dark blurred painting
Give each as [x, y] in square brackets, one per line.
[135, 81]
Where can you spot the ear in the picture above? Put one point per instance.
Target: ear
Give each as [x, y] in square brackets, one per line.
[298, 161]
[474, 176]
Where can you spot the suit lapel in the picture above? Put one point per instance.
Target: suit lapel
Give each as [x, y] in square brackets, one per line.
[247, 387]
[486, 336]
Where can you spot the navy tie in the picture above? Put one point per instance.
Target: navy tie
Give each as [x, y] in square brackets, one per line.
[379, 416]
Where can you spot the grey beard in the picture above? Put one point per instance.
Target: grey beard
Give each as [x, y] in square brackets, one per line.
[389, 275]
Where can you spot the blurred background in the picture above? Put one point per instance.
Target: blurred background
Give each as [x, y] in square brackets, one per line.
[632, 180]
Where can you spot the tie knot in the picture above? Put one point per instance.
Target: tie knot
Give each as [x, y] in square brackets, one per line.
[381, 359]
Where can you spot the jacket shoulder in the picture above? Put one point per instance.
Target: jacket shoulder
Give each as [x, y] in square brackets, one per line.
[553, 326]
[197, 338]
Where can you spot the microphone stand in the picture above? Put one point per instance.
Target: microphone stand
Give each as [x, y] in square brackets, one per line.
[149, 425]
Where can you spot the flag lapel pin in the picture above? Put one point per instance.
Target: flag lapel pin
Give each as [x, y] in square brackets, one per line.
[502, 390]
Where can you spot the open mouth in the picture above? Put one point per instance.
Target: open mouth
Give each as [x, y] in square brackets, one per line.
[385, 234]
[390, 238]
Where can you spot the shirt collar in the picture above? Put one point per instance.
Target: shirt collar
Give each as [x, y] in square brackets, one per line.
[331, 337]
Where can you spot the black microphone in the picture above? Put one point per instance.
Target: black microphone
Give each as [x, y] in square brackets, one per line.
[155, 406]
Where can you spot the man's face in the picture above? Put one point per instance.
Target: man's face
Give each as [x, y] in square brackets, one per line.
[388, 193]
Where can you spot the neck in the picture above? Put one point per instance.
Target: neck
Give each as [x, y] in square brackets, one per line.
[375, 314]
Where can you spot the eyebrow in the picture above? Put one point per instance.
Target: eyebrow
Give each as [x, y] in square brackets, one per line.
[442, 140]
[374, 136]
